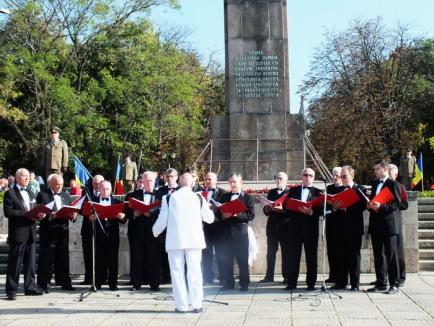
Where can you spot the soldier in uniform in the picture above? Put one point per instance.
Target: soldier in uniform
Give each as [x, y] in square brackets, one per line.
[55, 154]
[407, 168]
[129, 174]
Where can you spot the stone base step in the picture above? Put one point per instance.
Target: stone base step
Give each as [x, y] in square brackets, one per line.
[426, 244]
[426, 234]
[426, 200]
[424, 225]
[425, 208]
[426, 216]
[426, 265]
[426, 254]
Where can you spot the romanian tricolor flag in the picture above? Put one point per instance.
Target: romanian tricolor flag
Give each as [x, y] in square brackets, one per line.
[418, 177]
[119, 189]
[82, 175]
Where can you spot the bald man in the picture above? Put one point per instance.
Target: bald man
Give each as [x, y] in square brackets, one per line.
[54, 237]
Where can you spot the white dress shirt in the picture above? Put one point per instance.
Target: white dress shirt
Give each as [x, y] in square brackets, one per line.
[304, 194]
[24, 193]
[57, 200]
[380, 186]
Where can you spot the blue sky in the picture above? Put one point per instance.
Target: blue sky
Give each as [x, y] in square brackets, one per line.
[307, 22]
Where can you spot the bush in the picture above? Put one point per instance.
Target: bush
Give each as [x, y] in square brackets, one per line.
[427, 193]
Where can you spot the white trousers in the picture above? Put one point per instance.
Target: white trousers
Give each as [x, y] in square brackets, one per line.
[178, 259]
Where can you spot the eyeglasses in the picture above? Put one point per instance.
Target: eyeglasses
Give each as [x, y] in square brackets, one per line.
[308, 175]
[344, 176]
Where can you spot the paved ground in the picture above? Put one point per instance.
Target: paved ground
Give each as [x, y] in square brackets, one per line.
[263, 305]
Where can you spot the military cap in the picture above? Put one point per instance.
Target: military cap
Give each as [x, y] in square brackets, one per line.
[54, 129]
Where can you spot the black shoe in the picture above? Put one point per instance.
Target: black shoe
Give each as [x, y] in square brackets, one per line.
[130, 283]
[45, 289]
[244, 288]
[329, 280]
[373, 283]
[338, 287]
[284, 282]
[311, 288]
[401, 284]
[197, 310]
[11, 296]
[68, 287]
[180, 311]
[355, 288]
[166, 281]
[290, 287]
[33, 292]
[208, 283]
[377, 289]
[113, 288]
[227, 287]
[98, 287]
[266, 280]
[85, 282]
[393, 290]
[155, 288]
[135, 288]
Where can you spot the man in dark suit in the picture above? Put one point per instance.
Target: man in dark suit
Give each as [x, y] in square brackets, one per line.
[54, 237]
[107, 240]
[86, 233]
[214, 193]
[171, 176]
[274, 229]
[349, 233]
[332, 238]
[302, 230]
[21, 236]
[393, 173]
[384, 228]
[145, 248]
[235, 236]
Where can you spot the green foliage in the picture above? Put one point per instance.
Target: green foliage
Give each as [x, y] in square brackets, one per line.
[427, 193]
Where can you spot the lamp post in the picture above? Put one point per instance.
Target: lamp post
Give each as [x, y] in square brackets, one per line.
[168, 157]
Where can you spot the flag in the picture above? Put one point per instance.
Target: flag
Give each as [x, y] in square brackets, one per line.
[82, 175]
[119, 189]
[418, 177]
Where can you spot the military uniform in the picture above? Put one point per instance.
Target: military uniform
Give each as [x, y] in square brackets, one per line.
[55, 157]
[407, 170]
[129, 176]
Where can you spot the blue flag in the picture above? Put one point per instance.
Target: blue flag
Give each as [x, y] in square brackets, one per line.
[82, 175]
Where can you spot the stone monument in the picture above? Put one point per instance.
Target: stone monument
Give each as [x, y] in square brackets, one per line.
[258, 136]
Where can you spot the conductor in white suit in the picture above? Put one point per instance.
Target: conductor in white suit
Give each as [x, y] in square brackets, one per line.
[182, 214]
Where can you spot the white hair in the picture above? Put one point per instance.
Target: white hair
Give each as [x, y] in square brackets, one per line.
[337, 170]
[393, 167]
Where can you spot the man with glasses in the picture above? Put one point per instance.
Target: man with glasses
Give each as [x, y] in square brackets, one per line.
[21, 236]
[274, 229]
[302, 230]
[55, 154]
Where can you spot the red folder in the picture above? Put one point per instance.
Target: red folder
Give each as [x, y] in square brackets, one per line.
[41, 208]
[233, 207]
[294, 205]
[348, 198]
[404, 195]
[384, 197]
[86, 209]
[108, 212]
[279, 201]
[317, 202]
[141, 206]
[65, 211]
[204, 194]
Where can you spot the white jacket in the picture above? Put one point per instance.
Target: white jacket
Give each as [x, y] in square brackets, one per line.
[183, 219]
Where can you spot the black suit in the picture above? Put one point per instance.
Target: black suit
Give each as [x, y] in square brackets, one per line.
[275, 235]
[144, 247]
[54, 245]
[107, 250]
[86, 243]
[301, 230]
[236, 241]
[21, 240]
[165, 269]
[400, 244]
[349, 232]
[384, 228]
[332, 237]
[211, 232]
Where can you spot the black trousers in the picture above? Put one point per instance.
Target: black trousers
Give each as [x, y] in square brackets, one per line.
[86, 243]
[386, 259]
[54, 251]
[348, 259]
[401, 258]
[274, 238]
[332, 242]
[146, 260]
[302, 234]
[213, 245]
[165, 268]
[106, 260]
[236, 247]
[21, 253]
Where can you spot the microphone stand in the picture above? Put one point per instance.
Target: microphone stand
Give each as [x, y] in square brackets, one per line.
[92, 288]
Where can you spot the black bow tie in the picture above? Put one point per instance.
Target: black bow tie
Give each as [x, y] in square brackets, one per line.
[381, 181]
[22, 189]
[307, 187]
[147, 193]
[105, 199]
[211, 189]
[56, 194]
[235, 193]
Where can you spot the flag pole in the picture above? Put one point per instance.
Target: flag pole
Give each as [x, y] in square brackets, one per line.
[421, 166]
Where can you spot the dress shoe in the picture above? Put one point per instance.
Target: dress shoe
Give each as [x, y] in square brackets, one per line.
[33, 292]
[45, 289]
[377, 289]
[244, 288]
[227, 287]
[329, 280]
[373, 283]
[355, 288]
[85, 282]
[285, 281]
[130, 283]
[393, 290]
[113, 288]
[290, 287]
[266, 280]
[135, 288]
[68, 287]
[311, 288]
[180, 311]
[155, 288]
[11, 296]
[338, 287]
[98, 287]
[401, 284]
[197, 310]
